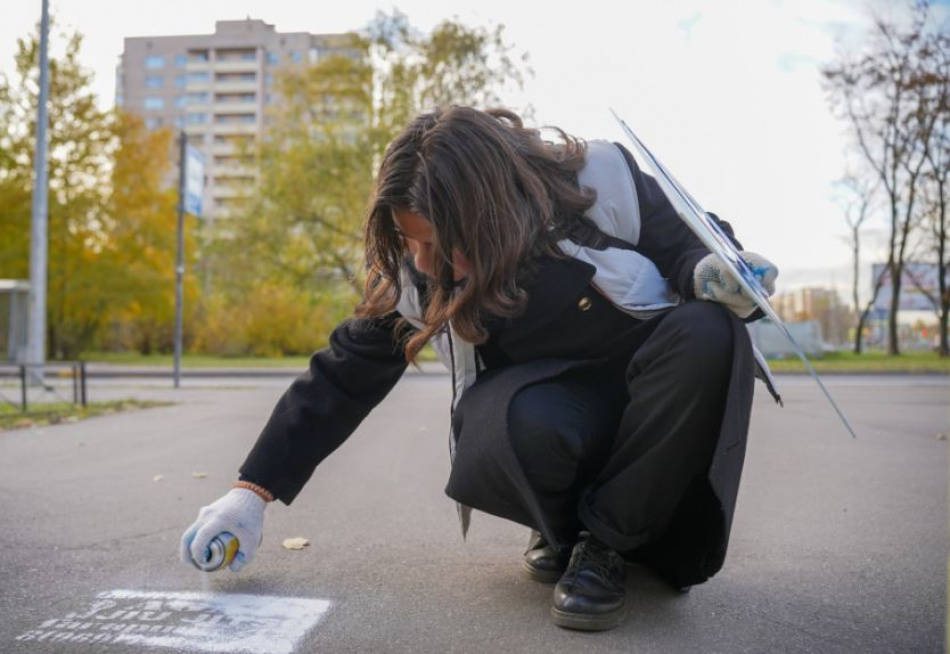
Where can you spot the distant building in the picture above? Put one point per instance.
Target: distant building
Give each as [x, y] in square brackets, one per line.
[816, 304]
[216, 87]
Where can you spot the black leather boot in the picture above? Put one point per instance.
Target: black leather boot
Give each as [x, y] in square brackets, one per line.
[590, 595]
[545, 563]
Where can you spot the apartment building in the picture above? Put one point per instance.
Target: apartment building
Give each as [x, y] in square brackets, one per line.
[217, 88]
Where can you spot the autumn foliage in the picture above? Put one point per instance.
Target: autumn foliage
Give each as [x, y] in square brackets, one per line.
[276, 276]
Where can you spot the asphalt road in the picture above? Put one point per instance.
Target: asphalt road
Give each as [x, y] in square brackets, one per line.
[839, 545]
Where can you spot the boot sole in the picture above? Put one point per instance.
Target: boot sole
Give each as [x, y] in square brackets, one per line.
[586, 622]
[542, 576]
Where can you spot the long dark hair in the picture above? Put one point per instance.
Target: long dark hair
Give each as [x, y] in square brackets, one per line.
[492, 189]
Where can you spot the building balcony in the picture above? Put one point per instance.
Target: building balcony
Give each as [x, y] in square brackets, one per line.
[225, 129]
[198, 107]
[235, 86]
[236, 107]
[197, 130]
[233, 170]
[236, 66]
[193, 84]
[229, 191]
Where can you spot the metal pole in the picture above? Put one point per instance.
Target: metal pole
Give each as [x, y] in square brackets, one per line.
[82, 381]
[40, 214]
[23, 387]
[180, 258]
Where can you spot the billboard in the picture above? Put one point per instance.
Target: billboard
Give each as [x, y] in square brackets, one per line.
[194, 180]
[919, 283]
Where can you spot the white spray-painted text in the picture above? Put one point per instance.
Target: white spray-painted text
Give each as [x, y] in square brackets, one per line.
[201, 622]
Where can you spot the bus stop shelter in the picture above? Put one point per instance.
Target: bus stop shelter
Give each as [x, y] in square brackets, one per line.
[14, 312]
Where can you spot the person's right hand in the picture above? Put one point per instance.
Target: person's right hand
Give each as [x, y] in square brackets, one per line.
[240, 512]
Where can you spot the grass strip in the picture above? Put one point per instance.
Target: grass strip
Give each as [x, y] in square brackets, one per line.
[40, 415]
[868, 362]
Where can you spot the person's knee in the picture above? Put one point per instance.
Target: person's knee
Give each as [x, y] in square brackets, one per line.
[535, 418]
[546, 434]
[704, 331]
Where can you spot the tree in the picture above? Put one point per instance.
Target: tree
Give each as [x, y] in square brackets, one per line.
[858, 208]
[140, 227]
[455, 64]
[885, 95]
[937, 156]
[79, 140]
[111, 211]
[301, 223]
[314, 175]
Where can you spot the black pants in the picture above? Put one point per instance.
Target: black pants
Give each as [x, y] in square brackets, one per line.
[620, 451]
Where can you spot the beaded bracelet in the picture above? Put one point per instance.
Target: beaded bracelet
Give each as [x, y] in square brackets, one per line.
[260, 491]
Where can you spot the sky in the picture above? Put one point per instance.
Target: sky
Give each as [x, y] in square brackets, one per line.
[727, 94]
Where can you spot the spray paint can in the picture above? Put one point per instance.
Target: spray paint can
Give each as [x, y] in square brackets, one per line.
[219, 553]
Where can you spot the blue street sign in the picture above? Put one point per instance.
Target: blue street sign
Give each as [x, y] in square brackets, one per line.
[194, 180]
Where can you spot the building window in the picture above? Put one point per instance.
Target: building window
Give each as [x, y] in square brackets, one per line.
[154, 82]
[154, 61]
[295, 57]
[179, 122]
[181, 60]
[196, 119]
[268, 79]
[198, 78]
[197, 98]
[180, 81]
[153, 123]
[198, 56]
[154, 103]
[181, 101]
[273, 58]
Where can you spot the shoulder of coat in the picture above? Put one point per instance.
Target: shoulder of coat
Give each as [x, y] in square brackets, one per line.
[617, 210]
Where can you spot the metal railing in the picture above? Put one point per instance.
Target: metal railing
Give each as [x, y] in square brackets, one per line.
[74, 370]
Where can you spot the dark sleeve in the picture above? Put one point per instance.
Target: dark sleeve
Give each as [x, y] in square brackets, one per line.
[664, 237]
[326, 404]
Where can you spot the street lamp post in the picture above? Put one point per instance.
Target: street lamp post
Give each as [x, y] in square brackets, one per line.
[180, 255]
[39, 246]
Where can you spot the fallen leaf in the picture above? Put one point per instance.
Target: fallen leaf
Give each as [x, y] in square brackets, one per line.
[295, 543]
[81, 444]
[158, 477]
[199, 475]
[941, 437]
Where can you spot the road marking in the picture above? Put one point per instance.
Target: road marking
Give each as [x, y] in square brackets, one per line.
[198, 622]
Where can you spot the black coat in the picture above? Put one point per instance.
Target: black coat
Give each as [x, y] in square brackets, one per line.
[488, 476]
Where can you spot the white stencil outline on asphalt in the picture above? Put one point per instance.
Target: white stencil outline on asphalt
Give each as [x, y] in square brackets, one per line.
[199, 622]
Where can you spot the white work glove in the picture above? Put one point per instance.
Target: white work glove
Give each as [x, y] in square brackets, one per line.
[240, 512]
[712, 281]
